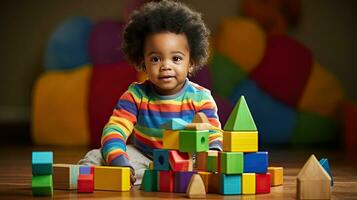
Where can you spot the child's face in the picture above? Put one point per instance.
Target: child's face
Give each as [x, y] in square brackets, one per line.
[167, 61]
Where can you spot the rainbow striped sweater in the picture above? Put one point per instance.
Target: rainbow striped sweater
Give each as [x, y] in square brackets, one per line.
[141, 111]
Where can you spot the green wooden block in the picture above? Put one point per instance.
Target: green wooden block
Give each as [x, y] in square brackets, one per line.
[240, 118]
[225, 75]
[42, 185]
[212, 163]
[232, 162]
[193, 140]
[150, 183]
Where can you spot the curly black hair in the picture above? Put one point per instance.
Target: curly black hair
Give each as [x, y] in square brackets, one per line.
[165, 16]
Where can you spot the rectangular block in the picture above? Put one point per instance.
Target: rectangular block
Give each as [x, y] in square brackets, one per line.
[174, 124]
[205, 178]
[42, 163]
[193, 141]
[150, 181]
[180, 161]
[112, 178]
[83, 169]
[240, 141]
[161, 159]
[201, 161]
[65, 176]
[248, 183]
[42, 185]
[166, 181]
[276, 175]
[170, 139]
[214, 185]
[231, 162]
[256, 162]
[231, 184]
[85, 183]
[262, 183]
[212, 157]
[182, 179]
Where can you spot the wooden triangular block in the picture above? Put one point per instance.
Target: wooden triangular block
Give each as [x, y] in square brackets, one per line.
[200, 117]
[313, 182]
[196, 188]
[198, 126]
[240, 118]
[174, 124]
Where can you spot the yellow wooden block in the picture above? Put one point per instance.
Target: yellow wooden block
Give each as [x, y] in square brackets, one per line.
[248, 183]
[112, 178]
[240, 141]
[170, 139]
[276, 177]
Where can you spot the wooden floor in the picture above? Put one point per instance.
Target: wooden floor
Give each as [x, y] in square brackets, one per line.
[15, 175]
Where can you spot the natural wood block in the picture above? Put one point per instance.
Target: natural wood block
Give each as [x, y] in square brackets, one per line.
[240, 141]
[65, 176]
[276, 175]
[200, 117]
[313, 182]
[248, 183]
[201, 161]
[198, 126]
[196, 187]
[170, 139]
[112, 178]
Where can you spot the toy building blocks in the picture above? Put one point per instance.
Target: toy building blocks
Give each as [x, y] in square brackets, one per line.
[84, 169]
[170, 139]
[230, 162]
[174, 124]
[180, 161]
[150, 181]
[182, 179]
[256, 162]
[326, 166]
[262, 183]
[248, 183]
[112, 178]
[231, 184]
[65, 176]
[42, 185]
[276, 175]
[200, 117]
[42, 163]
[85, 183]
[196, 187]
[240, 141]
[240, 118]
[313, 182]
[166, 181]
[193, 141]
[161, 159]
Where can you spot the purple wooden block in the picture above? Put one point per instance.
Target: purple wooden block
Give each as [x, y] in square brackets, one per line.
[182, 179]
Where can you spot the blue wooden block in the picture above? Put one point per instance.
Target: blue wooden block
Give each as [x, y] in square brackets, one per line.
[42, 163]
[84, 169]
[256, 162]
[161, 159]
[231, 184]
[174, 124]
[326, 166]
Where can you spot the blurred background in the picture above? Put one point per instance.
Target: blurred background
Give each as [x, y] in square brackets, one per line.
[61, 69]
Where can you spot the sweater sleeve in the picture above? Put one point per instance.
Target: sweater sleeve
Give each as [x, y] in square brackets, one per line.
[209, 108]
[118, 129]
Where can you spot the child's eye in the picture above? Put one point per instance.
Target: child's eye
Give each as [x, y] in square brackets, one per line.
[155, 59]
[177, 58]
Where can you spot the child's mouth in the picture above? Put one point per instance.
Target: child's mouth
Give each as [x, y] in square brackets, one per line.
[166, 78]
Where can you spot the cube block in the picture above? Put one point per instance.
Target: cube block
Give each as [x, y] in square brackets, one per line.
[276, 175]
[193, 141]
[149, 183]
[231, 162]
[170, 139]
[42, 185]
[42, 163]
[248, 183]
[85, 183]
[65, 176]
[256, 162]
[242, 141]
[262, 183]
[231, 184]
[166, 181]
[161, 159]
[182, 179]
[112, 178]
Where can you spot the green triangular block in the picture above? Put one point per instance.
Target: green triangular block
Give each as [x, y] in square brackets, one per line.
[240, 118]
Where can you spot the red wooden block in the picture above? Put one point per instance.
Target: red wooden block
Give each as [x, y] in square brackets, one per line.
[284, 69]
[107, 84]
[166, 181]
[262, 183]
[85, 183]
[180, 161]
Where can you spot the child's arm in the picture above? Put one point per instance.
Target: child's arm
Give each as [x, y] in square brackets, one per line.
[118, 129]
[209, 108]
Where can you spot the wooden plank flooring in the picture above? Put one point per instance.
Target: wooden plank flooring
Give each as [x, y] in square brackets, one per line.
[15, 175]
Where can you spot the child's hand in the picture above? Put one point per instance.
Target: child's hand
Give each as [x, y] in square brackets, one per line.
[132, 176]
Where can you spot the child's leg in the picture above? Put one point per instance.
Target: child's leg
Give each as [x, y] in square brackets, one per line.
[137, 159]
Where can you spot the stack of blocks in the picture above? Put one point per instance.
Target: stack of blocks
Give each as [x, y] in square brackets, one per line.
[239, 169]
[42, 184]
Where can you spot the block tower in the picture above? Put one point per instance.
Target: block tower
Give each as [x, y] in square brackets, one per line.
[42, 184]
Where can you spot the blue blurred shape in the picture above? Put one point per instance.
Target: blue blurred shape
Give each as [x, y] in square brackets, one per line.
[326, 166]
[275, 121]
[67, 46]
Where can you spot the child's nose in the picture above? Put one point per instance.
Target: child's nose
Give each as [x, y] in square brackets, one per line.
[165, 66]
